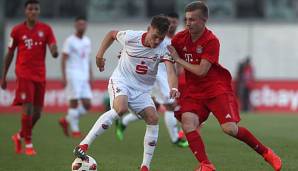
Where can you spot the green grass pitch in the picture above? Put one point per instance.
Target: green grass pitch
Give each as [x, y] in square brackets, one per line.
[280, 132]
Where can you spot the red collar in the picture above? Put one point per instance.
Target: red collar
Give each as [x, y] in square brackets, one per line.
[143, 39]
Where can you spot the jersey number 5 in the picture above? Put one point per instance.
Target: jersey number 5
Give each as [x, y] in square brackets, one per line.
[142, 68]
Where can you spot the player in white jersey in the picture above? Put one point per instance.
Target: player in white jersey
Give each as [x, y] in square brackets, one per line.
[132, 81]
[76, 77]
[161, 96]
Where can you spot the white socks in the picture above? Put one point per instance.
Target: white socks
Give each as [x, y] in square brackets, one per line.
[150, 141]
[129, 118]
[171, 124]
[72, 118]
[101, 125]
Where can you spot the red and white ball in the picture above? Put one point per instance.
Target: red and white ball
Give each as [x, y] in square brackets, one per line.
[84, 165]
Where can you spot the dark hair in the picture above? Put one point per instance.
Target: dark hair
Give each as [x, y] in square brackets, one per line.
[31, 2]
[173, 15]
[80, 18]
[198, 5]
[161, 23]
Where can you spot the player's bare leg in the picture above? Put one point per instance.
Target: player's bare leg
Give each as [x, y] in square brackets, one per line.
[36, 114]
[191, 126]
[104, 122]
[85, 106]
[244, 135]
[151, 118]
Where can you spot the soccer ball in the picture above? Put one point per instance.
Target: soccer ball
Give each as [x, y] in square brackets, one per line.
[84, 165]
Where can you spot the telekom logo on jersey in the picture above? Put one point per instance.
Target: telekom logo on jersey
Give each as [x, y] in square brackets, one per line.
[28, 43]
[188, 57]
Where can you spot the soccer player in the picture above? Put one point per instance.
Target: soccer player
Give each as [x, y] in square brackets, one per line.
[132, 80]
[30, 38]
[161, 96]
[208, 88]
[76, 76]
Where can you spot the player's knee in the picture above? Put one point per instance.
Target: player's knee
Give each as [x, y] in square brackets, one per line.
[121, 110]
[73, 104]
[152, 119]
[169, 107]
[188, 127]
[87, 106]
[230, 130]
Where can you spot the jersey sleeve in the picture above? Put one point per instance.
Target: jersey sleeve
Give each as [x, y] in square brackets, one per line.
[166, 54]
[211, 51]
[121, 37]
[50, 37]
[13, 41]
[66, 47]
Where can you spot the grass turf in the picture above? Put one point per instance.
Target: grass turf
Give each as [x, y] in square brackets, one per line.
[55, 150]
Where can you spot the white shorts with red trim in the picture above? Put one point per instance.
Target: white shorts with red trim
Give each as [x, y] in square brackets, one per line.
[137, 100]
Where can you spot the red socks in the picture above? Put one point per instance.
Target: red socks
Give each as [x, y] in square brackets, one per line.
[26, 128]
[247, 137]
[197, 146]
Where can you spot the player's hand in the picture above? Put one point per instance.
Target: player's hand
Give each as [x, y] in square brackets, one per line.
[100, 62]
[173, 52]
[3, 84]
[174, 93]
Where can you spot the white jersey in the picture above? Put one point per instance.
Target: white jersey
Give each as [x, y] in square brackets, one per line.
[78, 62]
[138, 65]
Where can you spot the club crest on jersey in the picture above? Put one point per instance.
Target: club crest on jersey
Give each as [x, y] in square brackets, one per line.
[40, 33]
[199, 49]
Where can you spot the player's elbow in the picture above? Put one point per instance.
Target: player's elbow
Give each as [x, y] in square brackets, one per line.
[113, 34]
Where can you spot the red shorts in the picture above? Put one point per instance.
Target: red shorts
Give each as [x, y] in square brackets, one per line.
[29, 91]
[224, 107]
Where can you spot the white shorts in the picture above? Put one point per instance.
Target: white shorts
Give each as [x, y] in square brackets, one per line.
[78, 89]
[137, 100]
[161, 89]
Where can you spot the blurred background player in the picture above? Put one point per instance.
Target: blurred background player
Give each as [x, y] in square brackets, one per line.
[160, 96]
[244, 83]
[76, 76]
[209, 88]
[30, 38]
[132, 81]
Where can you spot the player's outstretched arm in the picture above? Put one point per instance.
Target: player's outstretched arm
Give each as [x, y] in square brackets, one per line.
[63, 68]
[200, 70]
[7, 61]
[105, 44]
[54, 50]
[172, 79]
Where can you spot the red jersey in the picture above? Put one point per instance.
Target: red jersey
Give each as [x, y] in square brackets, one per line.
[31, 45]
[218, 79]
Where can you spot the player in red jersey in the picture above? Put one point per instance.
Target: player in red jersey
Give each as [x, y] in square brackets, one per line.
[208, 88]
[30, 38]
